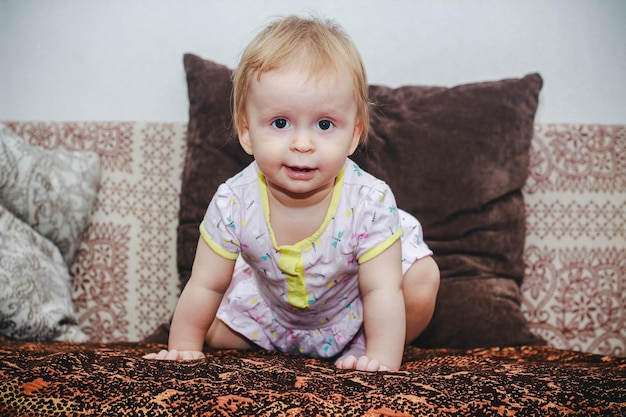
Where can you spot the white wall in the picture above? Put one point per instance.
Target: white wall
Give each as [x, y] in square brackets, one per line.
[122, 59]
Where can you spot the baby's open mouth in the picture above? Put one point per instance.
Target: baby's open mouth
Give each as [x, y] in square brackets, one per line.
[301, 169]
[301, 172]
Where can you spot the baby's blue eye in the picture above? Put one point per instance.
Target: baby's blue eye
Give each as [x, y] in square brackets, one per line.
[325, 124]
[280, 123]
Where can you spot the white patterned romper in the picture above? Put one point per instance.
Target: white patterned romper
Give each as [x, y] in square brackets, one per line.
[304, 298]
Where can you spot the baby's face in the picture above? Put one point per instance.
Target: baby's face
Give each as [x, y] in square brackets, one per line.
[300, 129]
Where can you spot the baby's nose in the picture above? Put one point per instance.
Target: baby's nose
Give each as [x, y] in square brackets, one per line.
[302, 142]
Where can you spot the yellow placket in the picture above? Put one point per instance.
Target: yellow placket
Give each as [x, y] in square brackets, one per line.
[291, 262]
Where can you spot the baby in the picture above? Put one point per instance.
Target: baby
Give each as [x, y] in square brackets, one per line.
[302, 251]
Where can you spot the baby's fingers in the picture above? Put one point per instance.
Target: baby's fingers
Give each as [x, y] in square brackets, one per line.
[373, 366]
[171, 355]
[158, 356]
[363, 364]
[349, 362]
[369, 365]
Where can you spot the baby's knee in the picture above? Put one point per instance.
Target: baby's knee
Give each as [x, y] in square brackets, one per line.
[421, 280]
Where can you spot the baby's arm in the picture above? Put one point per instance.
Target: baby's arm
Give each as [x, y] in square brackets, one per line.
[380, 283]
[210, 276]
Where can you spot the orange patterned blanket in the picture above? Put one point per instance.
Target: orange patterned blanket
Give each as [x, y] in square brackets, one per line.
[54, 379]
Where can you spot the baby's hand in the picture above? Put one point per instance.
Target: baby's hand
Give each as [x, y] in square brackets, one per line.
[175, 355]
[361, 364]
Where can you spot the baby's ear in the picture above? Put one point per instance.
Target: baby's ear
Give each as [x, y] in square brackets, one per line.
[356, 136]
[243, 132]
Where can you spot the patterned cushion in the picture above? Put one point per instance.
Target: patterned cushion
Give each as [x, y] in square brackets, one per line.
[54, 191]
[35, 291]
[457, 158]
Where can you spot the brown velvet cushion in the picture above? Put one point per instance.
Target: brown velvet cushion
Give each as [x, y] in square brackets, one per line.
[456, 158]
[213, 153]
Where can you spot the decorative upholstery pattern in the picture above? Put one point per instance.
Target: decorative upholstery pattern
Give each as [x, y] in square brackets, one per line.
[125, 275]
[63, 379]
[574, 290]
[125, 281]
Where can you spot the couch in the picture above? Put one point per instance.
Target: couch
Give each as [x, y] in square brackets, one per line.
[99, 222]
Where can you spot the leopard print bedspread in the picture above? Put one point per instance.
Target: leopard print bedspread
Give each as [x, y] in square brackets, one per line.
[64, 379]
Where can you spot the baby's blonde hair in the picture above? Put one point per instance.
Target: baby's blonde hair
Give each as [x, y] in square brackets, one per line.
[318, 45]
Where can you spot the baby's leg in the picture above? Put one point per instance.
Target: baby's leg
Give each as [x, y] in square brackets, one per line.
[220, 336]
[420, 287]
